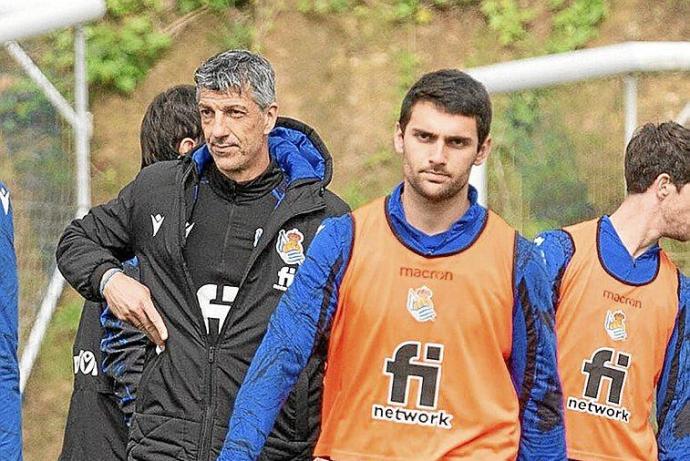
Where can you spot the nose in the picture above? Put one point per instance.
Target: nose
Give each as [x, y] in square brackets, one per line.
[219, 129]
[438, 153]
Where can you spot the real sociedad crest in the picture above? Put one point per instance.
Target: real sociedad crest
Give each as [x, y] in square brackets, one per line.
[289, 246]
[420, 305]
[615, 325]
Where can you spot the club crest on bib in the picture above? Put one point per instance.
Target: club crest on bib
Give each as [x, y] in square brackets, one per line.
[614, 324]
[289, 246]
[420, 305]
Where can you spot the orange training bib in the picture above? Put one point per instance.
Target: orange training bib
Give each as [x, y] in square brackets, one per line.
[612, 339]
[417, 358]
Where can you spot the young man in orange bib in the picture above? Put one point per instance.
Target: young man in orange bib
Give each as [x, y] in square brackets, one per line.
[438, 348]
[622, 314]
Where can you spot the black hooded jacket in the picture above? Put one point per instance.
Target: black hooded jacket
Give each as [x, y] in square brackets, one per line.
[187, 392]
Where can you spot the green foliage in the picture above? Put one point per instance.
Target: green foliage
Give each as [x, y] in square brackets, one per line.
[508, 19]
[185, 6]
[122, 8]
[321, 7]
[408, 65]
[23, 105]
[119, 58]
[124, 46]
[121, 49]
[537, 148]
[238, 34]
[576, 24]
[354, 195]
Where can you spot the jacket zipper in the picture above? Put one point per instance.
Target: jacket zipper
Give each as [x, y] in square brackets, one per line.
[204, 452]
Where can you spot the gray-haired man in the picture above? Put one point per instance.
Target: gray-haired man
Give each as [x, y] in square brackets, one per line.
[217, 245]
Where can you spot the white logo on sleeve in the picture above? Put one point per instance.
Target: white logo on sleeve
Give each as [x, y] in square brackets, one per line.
[156, 221]
[86, 363]
[5, 199]
[187, 229]
[257, 235]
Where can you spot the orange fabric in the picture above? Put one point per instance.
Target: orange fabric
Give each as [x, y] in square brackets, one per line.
[604, 322]
[448, 319]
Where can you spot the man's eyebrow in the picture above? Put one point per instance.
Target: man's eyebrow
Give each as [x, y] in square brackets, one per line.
[459, 138]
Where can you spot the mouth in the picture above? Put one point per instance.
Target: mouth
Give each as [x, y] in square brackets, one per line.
[435, 176]
[223, 148]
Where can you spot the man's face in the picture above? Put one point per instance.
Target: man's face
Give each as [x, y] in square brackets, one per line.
[676, 213]
[439, 150]
[236, 130]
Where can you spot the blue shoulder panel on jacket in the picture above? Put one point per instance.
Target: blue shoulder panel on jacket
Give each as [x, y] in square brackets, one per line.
[10, 400]
[303, 313]
[533, 361]
[673, 394]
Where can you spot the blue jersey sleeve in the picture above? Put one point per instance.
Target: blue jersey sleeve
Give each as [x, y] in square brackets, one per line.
[533, 360]
[10, 400]
[673, 389]
[304, 313]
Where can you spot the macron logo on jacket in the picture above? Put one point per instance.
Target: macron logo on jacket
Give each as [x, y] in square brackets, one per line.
[157, 221]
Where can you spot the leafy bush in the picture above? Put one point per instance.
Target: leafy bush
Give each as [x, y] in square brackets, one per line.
[508, 19]
[575, 25]
[185, 6]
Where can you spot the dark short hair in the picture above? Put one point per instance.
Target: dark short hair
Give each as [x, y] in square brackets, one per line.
[657, 149]
[172, 116]
[453, 92]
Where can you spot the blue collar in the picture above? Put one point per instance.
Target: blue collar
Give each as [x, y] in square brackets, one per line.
[458, 237]
[619, 263]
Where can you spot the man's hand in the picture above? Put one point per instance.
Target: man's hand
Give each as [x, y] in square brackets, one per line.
[131, 301]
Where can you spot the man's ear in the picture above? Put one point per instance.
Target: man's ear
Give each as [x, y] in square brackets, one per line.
[398, 139]
[271, 116]
[186, 146]
[662, 186]
[483, 152]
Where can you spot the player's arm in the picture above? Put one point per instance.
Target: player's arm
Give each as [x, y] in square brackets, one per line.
[533, 360]
[89, 255]
[10, 400]
[673, 390]
[303, 314]
[96, 243]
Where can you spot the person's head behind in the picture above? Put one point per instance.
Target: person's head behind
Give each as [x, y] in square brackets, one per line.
[443, 130]
[171, 126]
[657, 162]
[236, 98]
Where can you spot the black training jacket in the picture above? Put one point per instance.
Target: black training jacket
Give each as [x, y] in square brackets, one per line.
[186, 393]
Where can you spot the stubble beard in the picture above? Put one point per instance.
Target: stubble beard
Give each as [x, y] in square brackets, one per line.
[446, 192]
